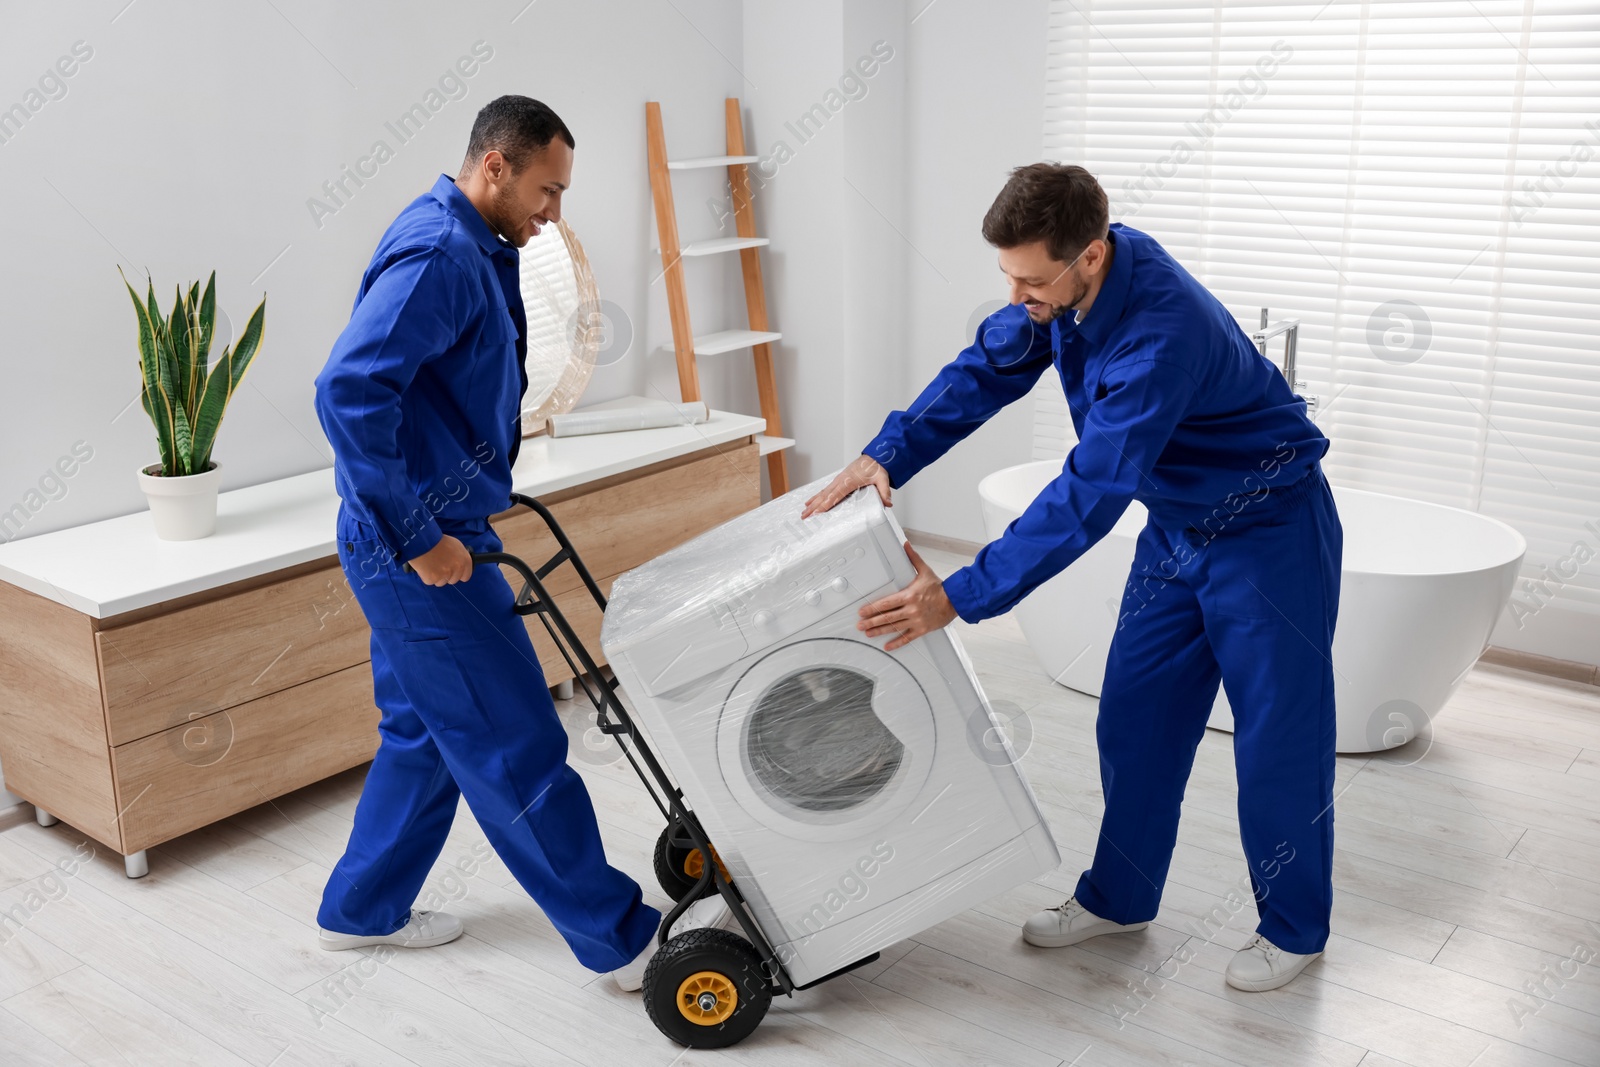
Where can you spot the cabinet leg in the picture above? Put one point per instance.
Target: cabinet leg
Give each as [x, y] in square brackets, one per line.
[136, 865]
[562, 690]
[43, 817]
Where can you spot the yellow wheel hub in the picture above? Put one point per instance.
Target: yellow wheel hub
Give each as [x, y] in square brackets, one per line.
[707, 998]
[694, 864]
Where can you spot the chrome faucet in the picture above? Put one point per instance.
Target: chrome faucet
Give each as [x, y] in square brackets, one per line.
[1290, 329]
[1267, 332]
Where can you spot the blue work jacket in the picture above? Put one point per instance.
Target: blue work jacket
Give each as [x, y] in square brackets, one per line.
[421, 396]
[1173, 405]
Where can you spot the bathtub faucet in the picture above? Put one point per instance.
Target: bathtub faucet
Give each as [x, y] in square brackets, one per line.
[1290, 328]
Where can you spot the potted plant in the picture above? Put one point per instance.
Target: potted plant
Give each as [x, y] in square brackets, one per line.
[186, 397]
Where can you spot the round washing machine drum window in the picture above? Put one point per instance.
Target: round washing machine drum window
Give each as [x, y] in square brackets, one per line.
[827, 739]
[814, 741]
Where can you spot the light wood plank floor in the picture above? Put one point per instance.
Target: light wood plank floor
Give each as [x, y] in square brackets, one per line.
[1465, 927]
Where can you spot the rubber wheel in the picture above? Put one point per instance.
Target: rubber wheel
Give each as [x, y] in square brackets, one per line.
[678, 868]
[705, 989]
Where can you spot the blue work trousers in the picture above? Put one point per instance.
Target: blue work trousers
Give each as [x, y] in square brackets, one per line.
[1248, 599]
[467, 713]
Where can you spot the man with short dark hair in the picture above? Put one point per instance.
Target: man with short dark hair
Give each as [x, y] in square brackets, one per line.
[1235, 576]
[421, 400]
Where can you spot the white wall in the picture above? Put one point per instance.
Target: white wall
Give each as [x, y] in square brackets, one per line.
[877, 262]
[832, 196]
[192, 139]
[977, 81]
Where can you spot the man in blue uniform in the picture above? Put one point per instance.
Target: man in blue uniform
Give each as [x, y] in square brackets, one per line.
[420, 399]
[1235, 576]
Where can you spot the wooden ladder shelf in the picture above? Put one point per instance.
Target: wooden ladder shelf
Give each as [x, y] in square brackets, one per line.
[758, 337]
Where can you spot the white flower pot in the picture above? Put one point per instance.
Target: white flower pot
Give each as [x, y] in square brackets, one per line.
[184, 508]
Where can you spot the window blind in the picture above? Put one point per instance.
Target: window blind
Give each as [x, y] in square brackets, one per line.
[1419, 184]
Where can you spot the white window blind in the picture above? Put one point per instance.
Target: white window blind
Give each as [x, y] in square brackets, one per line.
[1419, 183]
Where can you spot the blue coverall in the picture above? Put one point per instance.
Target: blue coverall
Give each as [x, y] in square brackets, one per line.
[1235, 575]
[420, 399]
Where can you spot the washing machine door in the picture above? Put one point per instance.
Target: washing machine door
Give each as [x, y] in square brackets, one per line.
[826, 739]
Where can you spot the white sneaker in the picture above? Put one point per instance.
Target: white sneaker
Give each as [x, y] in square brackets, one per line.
[708, 912]
[1068, 923]
[1261, 965]
[423, 930]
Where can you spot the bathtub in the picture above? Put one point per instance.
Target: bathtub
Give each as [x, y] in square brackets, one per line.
[1420, 591]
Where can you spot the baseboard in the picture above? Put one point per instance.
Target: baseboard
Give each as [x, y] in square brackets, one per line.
[15, 816]
[942, 543]
[1570, 670]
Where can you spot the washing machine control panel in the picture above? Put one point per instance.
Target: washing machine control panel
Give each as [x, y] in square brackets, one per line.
[803, 579]
[809, 589]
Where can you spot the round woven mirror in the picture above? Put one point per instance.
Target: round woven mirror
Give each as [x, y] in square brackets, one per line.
[563, 309]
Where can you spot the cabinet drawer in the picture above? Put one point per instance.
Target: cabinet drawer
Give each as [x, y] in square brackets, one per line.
[218, 765]
[617, 527]
[167, 670]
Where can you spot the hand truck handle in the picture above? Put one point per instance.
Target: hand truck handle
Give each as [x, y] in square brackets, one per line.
[525, 603]
[567, 553]
[528, 600]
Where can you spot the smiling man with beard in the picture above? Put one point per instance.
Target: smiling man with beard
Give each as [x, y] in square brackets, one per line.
[421, 400]
[1235, 577]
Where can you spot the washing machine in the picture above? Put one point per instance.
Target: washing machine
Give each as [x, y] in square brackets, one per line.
[855, 796]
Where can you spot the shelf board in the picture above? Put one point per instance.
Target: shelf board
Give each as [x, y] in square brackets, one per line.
[773, 444]
[710, 344]
[709, 161]
[719, 244]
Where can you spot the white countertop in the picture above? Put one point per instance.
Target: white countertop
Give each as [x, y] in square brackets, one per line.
[116, 565]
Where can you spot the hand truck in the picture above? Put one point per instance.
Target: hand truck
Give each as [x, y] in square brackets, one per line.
[707, 987]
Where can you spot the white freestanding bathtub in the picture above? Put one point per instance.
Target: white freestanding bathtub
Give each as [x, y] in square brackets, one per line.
[1421, 588]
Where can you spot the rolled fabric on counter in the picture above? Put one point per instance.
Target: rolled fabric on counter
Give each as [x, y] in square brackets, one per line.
[613, 420]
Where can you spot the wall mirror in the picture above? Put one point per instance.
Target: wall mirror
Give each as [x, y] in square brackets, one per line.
[563, 309]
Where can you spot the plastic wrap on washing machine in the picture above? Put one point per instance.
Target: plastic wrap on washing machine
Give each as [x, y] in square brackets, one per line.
[737, 565]
[854, 796]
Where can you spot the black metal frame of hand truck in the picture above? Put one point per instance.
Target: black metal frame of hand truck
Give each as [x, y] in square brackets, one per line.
[534, 600]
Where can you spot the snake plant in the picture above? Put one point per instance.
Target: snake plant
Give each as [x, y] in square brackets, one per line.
[182, 393]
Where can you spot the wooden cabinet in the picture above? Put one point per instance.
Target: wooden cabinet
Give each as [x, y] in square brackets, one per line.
[170, 666]
[142, 726]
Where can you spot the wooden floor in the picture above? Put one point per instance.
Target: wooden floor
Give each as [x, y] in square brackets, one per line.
[1467, 874]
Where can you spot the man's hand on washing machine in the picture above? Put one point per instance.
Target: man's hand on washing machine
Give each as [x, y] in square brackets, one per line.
[864, 470]
[920, 608]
